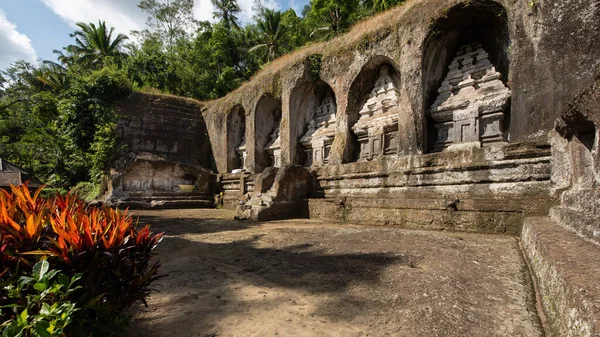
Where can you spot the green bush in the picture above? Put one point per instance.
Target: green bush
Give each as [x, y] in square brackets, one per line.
[86, 191]
[37, 303]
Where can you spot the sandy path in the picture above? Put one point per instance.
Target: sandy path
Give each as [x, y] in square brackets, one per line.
[308, 278]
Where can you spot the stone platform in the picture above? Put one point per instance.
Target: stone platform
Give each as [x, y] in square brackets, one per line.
[566, 269]
[487, 190]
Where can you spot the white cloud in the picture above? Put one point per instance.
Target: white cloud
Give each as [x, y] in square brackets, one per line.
[15, 46]
[125, 16]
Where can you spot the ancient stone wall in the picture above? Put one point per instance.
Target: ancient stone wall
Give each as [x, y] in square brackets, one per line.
[163, 144]
[524, 45]
[171, 127]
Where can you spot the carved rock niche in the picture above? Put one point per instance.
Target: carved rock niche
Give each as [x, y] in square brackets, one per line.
[377, 127]
[469, 111]
[321, 131]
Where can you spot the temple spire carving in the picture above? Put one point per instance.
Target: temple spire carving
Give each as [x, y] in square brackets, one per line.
[377, 127]
[472, 101]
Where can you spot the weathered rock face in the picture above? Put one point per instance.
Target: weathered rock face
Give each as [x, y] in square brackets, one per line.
[577, 169]
[163, 143]
[563, 249]
[377, 127]
[469, 110]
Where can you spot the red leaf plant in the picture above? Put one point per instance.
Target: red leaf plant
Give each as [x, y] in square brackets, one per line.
[101, 243]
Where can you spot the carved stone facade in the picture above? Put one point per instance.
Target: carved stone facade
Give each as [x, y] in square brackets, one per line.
[274, 148]
[321, 132]
[469, 111]
[377, 127]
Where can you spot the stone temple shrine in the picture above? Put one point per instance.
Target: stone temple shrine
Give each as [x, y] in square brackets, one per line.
[447, 115]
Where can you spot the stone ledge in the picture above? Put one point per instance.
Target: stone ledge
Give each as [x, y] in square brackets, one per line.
[567, 269]
[164, 204]
[422, 214]
[585, 225]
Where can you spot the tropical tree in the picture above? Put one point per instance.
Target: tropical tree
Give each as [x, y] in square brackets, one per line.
[331, 17]
[93, 44]
[272, 33]
[171, 19]
[226, 11]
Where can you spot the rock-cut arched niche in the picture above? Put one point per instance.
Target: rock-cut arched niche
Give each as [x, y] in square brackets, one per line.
[267, 140]
[373, 110]
[313, 118]
[465, 70]
[236, 139]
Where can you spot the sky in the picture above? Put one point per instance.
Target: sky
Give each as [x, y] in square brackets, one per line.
[32, 29]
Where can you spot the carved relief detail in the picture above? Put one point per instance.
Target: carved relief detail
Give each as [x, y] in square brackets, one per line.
[469, 110]
[321, 131]
[377, 127]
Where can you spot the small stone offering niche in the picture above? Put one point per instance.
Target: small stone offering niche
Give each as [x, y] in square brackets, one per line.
[321, 130]
[472, 101]
[377, 126]
[241, 150]
[274, 147]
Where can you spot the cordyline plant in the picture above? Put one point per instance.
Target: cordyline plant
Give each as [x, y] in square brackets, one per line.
[104, 245]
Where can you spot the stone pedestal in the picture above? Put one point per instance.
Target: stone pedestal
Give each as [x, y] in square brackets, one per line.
[274, 148]
[469, 111]
[377, 127]
[321, 130]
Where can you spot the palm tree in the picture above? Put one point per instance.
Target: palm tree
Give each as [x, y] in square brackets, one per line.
[53, 76]
[272, 33]
[93, 44]
[226, 10]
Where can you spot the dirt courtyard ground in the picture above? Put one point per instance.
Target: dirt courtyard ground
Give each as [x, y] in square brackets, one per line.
[309, 278]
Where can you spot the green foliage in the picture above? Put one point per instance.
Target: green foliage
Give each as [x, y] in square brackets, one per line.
[38, 303]
[95, 46]
[226, 11]
[331, 17]
[86, 191]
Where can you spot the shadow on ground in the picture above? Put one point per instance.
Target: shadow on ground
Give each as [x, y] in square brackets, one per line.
[209, 272]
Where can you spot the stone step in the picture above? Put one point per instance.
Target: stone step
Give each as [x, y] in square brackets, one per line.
[170, 194]
[585, 225]
[431, 214]
[567, 269]
[165, 204]
[170, 197]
